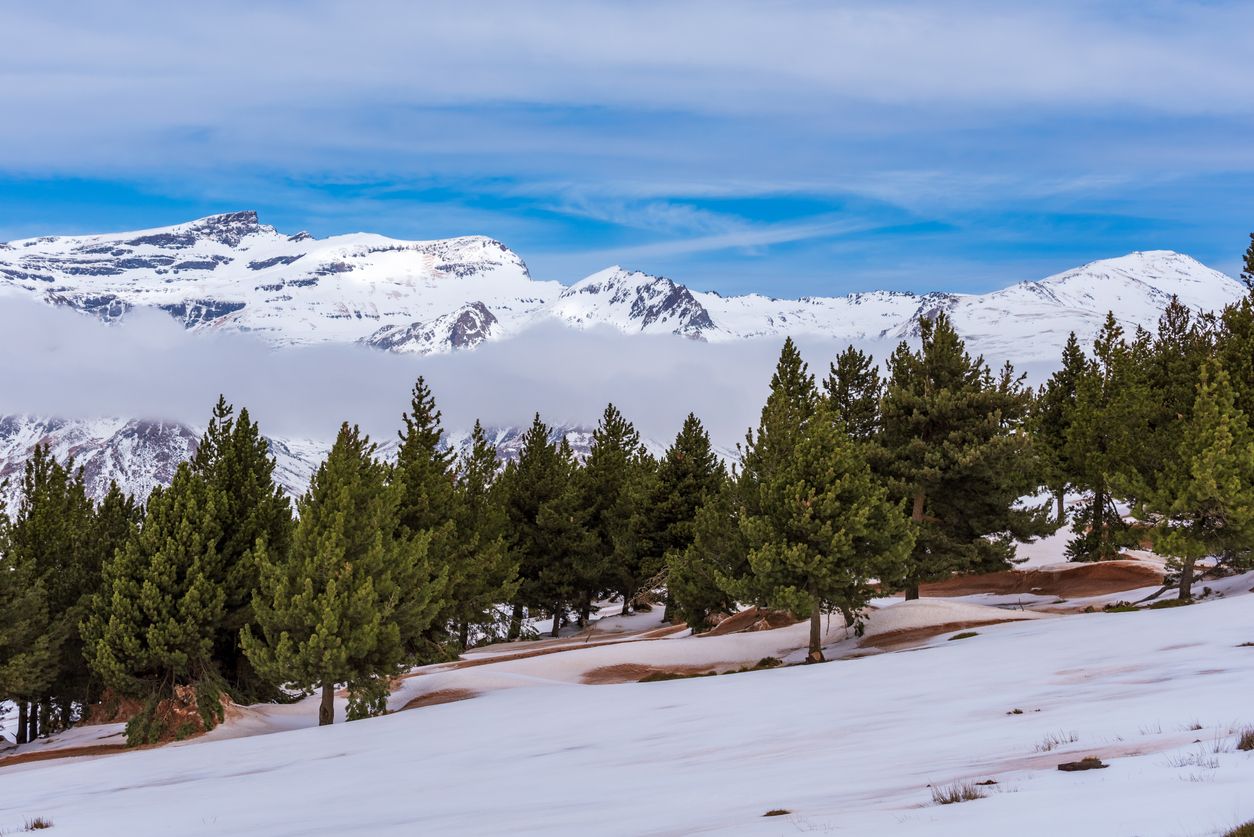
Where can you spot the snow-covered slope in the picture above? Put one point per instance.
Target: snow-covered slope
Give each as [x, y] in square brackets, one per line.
[855, 746]
[231, 272]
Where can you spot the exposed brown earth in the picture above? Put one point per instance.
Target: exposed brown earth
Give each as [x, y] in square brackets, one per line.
[1097, 579]
[440, 696]
[633, 672]
[752, 619]
[893, 640]
[62, 753]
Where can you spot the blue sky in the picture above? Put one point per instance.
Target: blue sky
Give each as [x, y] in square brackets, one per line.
[786, 148]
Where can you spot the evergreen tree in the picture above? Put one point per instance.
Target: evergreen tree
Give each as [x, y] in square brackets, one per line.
[1108, 426]
[953, 446]
[853, 389]
[234, 461]
[49, 544]
[1053, 412]
[547, 533]
[823, 529]
[489, 574]
[354, 594]
[153, 622]
[791, 403]
[1205, 502]
[689, 475]
[608, 496]
[1234, 348]
[425, 474]
[1247, 268]
[29, 643]
[701, 579]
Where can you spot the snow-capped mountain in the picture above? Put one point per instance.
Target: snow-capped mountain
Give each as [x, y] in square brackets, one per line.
[231, 272]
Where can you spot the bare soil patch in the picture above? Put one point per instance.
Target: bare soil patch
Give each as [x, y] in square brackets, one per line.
[752, 619]
[906, 637]
[64, 753]
[633, 672]
[1097, 579]
[440, 696]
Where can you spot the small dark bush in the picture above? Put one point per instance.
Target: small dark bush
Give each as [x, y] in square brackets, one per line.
[1246, 830]
[777, 812]
[964, 635]
[957, 792]
[37, 824]
[1086, 763]
[1245, 738]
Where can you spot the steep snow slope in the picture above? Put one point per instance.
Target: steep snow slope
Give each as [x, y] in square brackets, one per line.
[847, 747]
[232, 272]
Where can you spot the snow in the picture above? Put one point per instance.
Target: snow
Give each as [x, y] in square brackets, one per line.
[233, 273]
[848, 747]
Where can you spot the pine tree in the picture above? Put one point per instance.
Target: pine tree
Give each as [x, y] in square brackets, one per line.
[689, 475]
[351, 599]
[234, 460]
[1205, 502]
[823, 529]
[1105, 437]
[29, 643]
[701, 579]
[953, 445]
[1234, 348]
[425, 474]
[489, 574]
[547, 532]
[608, 497]
[852, 390]
[49, 540]
[1247, 268]
[791, 403]
[1052, 414]
[153, 622]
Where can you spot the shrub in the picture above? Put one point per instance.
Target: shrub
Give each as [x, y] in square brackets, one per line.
[957, 792]
[1246, 830]
[964, 635]
[37, 824]
[1054, 740]
[1245, 738]
[777, 812]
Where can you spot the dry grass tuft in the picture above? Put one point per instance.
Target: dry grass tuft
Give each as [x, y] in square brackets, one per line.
[1054, 740]
[37, 824]
[1245, 738]
[957, 792]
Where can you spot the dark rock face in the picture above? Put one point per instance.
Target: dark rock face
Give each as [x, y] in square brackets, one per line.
[107, 307]
[198, 312]
[468, 326]
[277, 260]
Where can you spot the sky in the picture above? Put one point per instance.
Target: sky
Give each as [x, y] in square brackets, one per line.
[787, 148]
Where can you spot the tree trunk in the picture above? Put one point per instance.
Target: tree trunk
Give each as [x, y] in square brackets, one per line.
[1186, 579]
[916, 514]
[515, 624]
[585, 614]
[67, 714]
[45, 716]
[557, 620]
[463, 635]
[1099, 519]
[626, 604]
[816, 641]
[20, 736]
[666, 611]
[1062, 512]
[32, 722]
[326, 710]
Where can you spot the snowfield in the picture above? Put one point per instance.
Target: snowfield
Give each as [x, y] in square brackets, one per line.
[850, 746]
